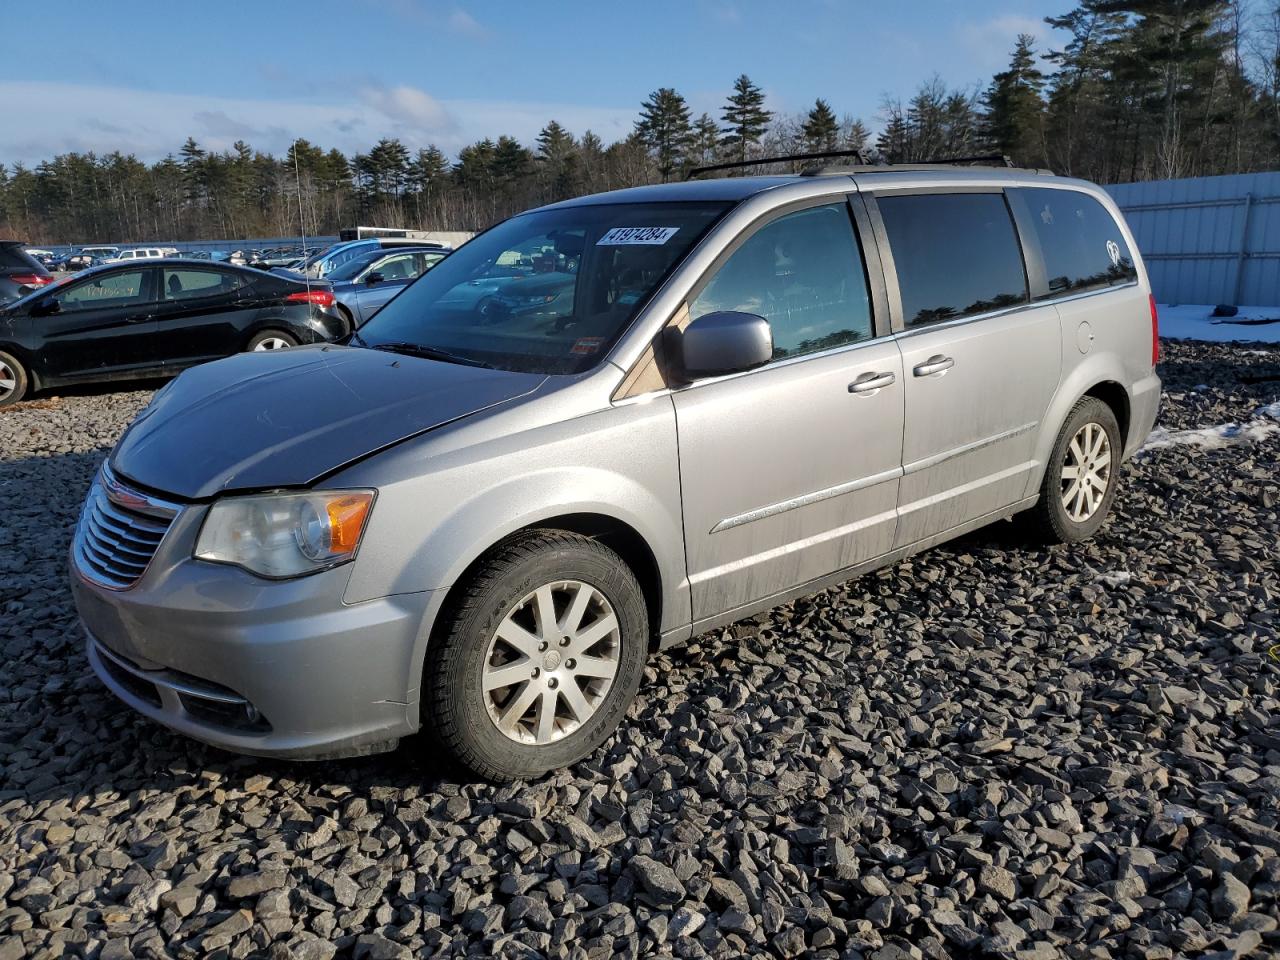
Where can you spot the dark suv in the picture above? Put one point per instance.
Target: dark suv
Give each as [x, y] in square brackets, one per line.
[20, 273]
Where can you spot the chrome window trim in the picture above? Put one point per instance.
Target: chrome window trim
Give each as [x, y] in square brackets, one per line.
[1020, 308]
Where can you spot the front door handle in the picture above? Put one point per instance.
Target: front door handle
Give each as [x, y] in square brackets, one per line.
[137, 318]
[935, 364]
[871, 382]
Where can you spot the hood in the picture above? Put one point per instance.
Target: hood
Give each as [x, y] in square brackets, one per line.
[285, 418]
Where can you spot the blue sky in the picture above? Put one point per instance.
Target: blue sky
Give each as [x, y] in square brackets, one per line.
[140, 76]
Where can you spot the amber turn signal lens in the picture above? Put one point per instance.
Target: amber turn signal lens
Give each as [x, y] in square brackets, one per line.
[346, 520]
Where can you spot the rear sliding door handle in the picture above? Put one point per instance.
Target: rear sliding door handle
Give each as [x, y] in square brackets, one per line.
[935, 364]
[871, 382]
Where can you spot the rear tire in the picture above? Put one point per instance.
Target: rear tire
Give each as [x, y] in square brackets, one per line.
[1081, 477]
[513, 692]
[272, 340]
[13, 380]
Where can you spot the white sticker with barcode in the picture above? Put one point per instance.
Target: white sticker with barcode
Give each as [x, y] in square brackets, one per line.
[627, 236]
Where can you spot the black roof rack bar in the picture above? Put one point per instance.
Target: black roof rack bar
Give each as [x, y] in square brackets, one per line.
[738, 164]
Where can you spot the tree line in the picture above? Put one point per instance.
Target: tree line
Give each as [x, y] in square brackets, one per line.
[1141, 89]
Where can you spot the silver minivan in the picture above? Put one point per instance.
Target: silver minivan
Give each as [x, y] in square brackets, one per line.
[598, 429]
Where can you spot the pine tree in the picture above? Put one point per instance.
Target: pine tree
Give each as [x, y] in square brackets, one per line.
[558, 153]
[854, 134]
[821, 130]
[664, 128]
[1014, 120]
[704, 141]
[744, 119]
[894, 142]
[511, 160]
[555, 143]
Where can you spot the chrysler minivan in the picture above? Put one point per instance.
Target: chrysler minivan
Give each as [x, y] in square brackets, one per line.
[598, 429]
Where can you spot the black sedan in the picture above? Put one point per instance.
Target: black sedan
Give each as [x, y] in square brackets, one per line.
[131, 320]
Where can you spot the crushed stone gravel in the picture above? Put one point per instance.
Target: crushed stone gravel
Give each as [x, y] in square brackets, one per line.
[987, 750]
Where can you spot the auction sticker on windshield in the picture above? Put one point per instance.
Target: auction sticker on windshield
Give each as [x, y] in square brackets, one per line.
[627, 236]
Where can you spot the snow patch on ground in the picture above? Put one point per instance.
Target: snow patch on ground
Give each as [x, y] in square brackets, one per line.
[1116, 578]
[1190, 321]
[1212, 438]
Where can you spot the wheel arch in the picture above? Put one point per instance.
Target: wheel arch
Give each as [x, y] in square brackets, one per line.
[1103, 379]
[1117, 398]
[25, 358]
[618, 535]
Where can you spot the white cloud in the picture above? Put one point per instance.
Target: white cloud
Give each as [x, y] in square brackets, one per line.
[151, 124]
[414, 109]
[464, 23]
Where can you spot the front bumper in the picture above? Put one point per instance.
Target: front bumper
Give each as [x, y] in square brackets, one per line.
[281, 669]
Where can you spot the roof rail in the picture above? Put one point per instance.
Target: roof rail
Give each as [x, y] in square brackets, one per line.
[738, 164]
[884, 166]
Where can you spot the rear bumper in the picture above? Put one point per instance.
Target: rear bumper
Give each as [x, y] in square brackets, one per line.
[1144, 406]
[270, 669]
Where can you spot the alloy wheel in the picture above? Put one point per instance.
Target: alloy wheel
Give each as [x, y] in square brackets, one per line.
[551, 662]
[8, 380]
[272, 343]
[1086, 472]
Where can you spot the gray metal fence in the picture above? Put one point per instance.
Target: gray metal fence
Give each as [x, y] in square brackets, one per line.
[1208, 239]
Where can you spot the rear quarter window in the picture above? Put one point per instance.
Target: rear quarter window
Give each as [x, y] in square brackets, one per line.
[15, 258]
[1080, 241]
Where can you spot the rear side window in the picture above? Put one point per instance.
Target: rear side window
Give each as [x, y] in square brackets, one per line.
[192, 284]
[956, 255]
[1082, 245]
[15, 258]
[803, 273]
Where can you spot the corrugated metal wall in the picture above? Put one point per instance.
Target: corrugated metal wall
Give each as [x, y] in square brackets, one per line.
[1208, 239]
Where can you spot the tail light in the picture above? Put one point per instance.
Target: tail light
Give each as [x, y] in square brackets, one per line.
[31, 279]
[1155, 332]
[321, 298]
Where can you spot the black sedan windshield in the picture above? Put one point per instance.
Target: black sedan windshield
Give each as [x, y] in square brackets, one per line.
[545, 292]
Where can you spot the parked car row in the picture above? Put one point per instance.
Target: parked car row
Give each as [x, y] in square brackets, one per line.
[153, 317]
[134, 320]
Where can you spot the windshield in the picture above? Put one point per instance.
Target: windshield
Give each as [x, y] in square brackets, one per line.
[317, 255]
[545, 292]
[350, 269]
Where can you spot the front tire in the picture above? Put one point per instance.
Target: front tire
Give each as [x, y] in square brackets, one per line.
[1081, 477]
[13, 380]
[272, 340]
[539, 657]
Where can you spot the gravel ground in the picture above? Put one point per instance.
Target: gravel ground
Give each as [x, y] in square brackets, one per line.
[987, 750]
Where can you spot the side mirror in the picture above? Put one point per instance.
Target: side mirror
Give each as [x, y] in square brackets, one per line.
[46, 307]
[373, 278]
[723, 342]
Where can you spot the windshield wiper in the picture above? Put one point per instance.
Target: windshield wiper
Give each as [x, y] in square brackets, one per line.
[428, 353]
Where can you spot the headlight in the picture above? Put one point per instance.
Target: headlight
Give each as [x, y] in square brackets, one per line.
[282, 535]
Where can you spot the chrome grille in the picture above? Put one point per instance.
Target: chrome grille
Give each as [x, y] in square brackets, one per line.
[120, 529]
